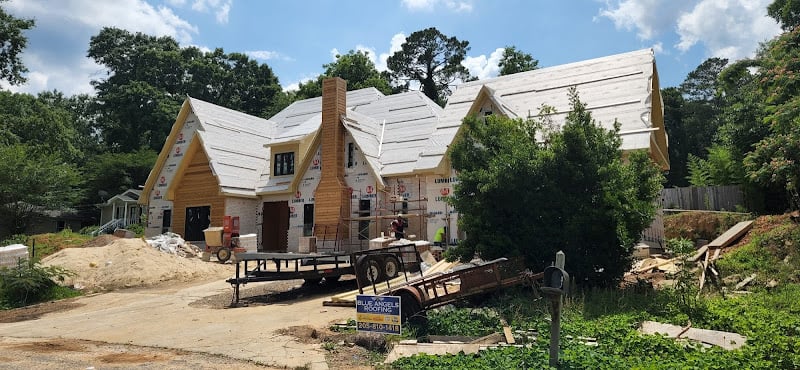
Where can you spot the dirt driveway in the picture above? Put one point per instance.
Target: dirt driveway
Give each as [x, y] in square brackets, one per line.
[184, 327]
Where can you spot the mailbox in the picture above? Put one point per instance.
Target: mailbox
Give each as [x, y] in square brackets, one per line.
[556, 281]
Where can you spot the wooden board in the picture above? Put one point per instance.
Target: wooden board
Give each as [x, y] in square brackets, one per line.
[731, 235]
[350, 297]
[723, 339]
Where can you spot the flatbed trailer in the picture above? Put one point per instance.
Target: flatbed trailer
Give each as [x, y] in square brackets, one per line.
[427, 292]
[374, 265]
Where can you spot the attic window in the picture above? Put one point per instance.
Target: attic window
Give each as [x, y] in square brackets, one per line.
[350, 155]
[284, 164]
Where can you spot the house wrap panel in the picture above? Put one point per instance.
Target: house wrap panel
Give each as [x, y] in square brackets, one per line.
[157, 203]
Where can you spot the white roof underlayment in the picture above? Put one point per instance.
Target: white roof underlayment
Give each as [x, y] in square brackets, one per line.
[617, 87]
[234, 143]
[406, 133]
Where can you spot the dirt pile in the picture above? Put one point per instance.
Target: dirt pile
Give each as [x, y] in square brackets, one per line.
[128, 263]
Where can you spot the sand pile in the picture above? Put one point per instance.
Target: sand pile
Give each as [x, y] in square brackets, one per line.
[127, 263]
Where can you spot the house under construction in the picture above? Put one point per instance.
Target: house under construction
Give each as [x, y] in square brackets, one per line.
[340, 167]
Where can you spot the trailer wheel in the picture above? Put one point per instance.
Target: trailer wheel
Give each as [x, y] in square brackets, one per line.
[391, 267]
[223, 255]
[410, 308]
[332, 279]
[370, 269]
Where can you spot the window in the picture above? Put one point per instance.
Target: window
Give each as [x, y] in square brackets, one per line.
[308, 219]
[284, 164]
[350, 155]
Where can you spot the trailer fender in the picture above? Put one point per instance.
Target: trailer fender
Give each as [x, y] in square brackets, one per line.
[411, 304]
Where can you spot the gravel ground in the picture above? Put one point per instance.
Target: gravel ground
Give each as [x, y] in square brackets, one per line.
[57, 354]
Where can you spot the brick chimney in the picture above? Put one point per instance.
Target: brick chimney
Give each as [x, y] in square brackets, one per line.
[332, 198]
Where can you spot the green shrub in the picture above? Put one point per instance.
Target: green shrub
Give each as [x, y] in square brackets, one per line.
[138, 229]
[680, 246]
[30, 282]
[88, 230]
[15, 239]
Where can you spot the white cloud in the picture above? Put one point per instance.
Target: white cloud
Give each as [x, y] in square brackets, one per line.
[56, 52]
[648, 17]
[395, 45]
[727, 29]
[430, 5]
[220, 8]
[267, 55]
[658, 48]
[294, 86]
[484, 67]
[176, 3]
[724, 28]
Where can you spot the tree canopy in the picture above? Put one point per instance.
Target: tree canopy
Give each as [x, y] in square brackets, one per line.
[522, 197]
[515, 61]
[149, 77]
[431, 59]
[33, 181]
[356, 68]
[12, 42]
[786, 12]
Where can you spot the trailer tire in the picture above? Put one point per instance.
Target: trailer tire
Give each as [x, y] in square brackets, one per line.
[332, 279]
[410, 308]
[391, 267]
[370, 269]
[223, 255]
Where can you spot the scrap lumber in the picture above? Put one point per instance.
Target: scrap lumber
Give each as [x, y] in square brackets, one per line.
[348, 299]
[699, 254]
[704, 266]
[658, 263]
[731, 235]
[407, 350]
[722, 339]
[744, 282]
[509, 337]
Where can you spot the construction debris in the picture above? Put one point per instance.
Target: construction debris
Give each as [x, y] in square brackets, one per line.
[744, 282]
[173, 244]
[722, 339]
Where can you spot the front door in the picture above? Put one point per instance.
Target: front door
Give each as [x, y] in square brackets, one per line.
[197, 220]
[275, 227]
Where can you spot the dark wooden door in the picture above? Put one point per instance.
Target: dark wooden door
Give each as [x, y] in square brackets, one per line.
[275, 227]
[197, 220]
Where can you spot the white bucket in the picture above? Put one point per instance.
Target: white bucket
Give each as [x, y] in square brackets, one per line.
[249, 242]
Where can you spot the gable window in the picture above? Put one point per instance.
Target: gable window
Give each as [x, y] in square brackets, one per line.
[284, 164]
[350, 155]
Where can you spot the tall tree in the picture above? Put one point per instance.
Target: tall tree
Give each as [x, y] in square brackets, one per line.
[515, 61]
[775, 160]
[692, 116]
[356, 68]
[431, 59]
[590, 203]
[148, 78]
[32, 181]
[38, 124]
[12, 42]
[786, 12]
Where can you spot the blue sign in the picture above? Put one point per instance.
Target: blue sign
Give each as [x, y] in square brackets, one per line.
[378, 313]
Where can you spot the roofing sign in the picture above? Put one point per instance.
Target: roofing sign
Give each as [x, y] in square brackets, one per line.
[378, 313]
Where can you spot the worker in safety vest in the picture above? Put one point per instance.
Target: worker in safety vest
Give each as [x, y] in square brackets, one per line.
[439, 238]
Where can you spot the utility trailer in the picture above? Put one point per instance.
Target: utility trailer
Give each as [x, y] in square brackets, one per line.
[436, 290]
[374, 265]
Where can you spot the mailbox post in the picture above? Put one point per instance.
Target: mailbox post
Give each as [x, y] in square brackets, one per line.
[556, 283]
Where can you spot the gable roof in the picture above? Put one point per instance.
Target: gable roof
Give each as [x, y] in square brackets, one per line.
[128, 196]
[619, 87]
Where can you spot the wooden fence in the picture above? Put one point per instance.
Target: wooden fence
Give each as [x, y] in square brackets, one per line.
[707, 198]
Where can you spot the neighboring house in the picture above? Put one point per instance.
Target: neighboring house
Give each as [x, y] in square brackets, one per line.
[341, 166]
[51, 221]
[124, 208]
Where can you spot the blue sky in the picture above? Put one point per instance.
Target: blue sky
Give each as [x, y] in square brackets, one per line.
[295, 38]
